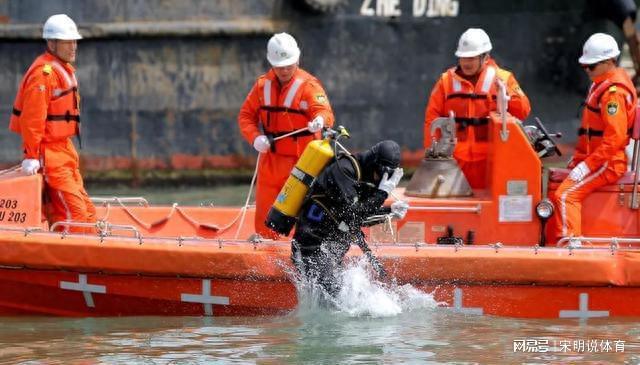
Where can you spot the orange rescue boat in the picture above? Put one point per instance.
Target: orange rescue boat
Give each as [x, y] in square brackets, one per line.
[481, 251]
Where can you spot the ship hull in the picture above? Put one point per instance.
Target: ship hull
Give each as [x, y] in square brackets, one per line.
[162, 83]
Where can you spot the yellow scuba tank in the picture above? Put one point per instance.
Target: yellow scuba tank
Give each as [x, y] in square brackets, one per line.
[283, 214]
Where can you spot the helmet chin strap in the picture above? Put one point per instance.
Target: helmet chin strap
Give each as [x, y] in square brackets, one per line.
[54, 50]
[51, 46]
[484, 60]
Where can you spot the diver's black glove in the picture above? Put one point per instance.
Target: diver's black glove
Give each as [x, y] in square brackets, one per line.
[377, 265]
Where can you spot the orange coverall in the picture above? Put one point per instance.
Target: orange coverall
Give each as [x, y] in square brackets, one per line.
[603, 135]
[279, 109]
[471, 104]
[46, 114]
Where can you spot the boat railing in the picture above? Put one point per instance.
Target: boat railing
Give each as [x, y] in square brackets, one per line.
[10, 170]
[26, 230]
[450, 209]
[103, 228]
[614, 242]
[136, 200]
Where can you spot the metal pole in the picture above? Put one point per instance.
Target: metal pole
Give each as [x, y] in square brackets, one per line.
[634, 167]
[503, 100]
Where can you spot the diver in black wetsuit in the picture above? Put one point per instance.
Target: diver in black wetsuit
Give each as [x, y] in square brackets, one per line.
[348, 191]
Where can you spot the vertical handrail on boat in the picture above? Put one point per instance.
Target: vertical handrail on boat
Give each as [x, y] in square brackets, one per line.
[635, 136]
[503, 105]
[634, 194]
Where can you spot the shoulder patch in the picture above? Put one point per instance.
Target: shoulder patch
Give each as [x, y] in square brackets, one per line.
[613, 88]
[47, 69]
[321, 98]
[612, 108]
[518, 90]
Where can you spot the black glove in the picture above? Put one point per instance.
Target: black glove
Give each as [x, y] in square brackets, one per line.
[377, 265]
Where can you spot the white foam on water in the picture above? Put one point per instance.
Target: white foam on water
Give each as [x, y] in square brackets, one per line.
[362, 294]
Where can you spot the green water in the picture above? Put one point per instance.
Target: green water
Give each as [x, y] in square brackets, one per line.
[184, 195]
[309, 336]
[369, 325]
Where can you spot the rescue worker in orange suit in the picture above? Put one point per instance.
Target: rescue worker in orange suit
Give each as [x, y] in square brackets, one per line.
[283, 100]
[469, 91]
[46, 114]
[608, 115]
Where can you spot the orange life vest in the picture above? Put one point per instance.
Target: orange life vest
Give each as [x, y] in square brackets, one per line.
[63, 112]
[592, 128]
[284, 111]
[471, 104]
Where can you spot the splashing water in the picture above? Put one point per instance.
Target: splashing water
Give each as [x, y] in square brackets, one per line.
[361, 294]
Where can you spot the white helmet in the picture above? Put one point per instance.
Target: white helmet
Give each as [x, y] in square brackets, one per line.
[599, 47]
[60, 26]
[282, 50]
[473, 42]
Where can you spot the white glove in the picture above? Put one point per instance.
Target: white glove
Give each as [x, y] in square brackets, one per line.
[261, 143]
[399, 208]
[579, 172]
[316, 124]
[30, 166]
[389, 183]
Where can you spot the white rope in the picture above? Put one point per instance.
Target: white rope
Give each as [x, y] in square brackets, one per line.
[246, 202]
[253, 180]
[11, 169]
